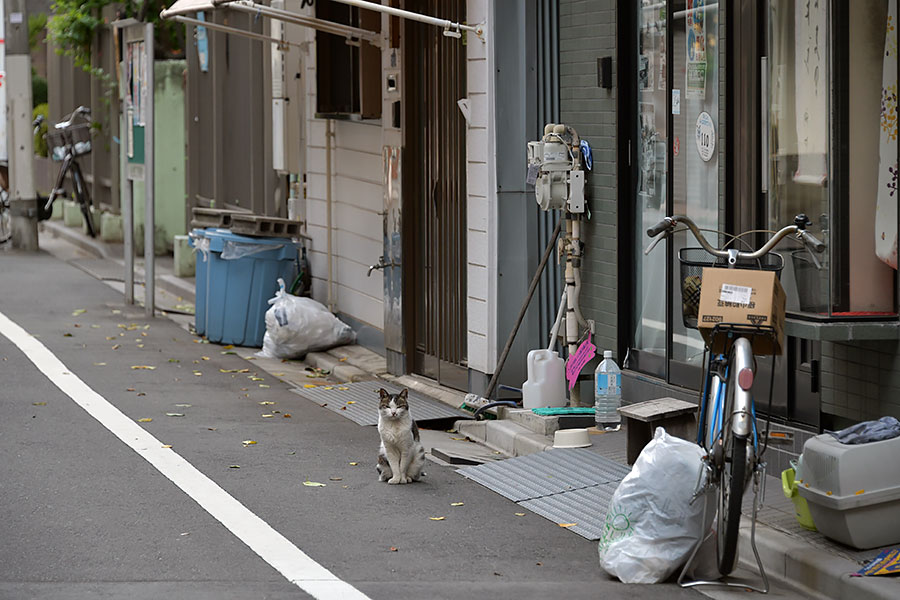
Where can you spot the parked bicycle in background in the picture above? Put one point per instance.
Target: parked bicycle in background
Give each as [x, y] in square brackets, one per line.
[68, 140]
[727, 423]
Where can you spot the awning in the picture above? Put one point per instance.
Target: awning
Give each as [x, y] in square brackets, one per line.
[182, 8]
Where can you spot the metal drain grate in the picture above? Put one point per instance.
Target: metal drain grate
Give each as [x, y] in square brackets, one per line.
[359, 402]
[585, 507]
[546, 473]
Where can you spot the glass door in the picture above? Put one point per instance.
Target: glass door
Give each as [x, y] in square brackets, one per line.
[678, 172]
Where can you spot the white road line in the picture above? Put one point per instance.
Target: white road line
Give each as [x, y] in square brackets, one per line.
[258, 535]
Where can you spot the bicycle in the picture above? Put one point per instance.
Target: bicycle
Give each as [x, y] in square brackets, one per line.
[5, 218]
[65, 143]
[727, 422]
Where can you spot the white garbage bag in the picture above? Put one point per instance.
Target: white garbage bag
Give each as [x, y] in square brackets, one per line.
[652, 526]
[296, 326]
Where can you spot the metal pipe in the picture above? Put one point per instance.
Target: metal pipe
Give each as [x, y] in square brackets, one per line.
[241, 32]
[298, 19]
[149, 171]
[554, 331]
[412, 16]
[572, 232]
[328, 135]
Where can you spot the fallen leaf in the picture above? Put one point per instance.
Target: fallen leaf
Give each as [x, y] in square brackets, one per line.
[244, 389]
[520, 514]
[167, 445]
[174, 360]
[78, 311]
[141, 394]
[140, 345]
[116, 347]
[143, 334]
[110, 337]
[95, 326]
[456, 503]
[227, 370]
[174, 414]
[267, 416]
[146, 420]
[309, 483]
[183, 405]
[437, 518]
[567, 524]
[242, 371]
[39, 403]
[459, 438]
[204, 358]
[353, 464]
[286, 415]
[278, 374]
[129, 389]
[116, 311]
[335, 479]
[393, 549]
[99, 364]
[146, 326]
[343, 388]
[234, 466]
[351, 401]
[229, 346]
[212, 428]
[308, 385]
[343, 359]
[263, 385]
[67, 335]
[148, 367]
[248, 443]
[198, 373]
[228, 352]
[253, 378]
[266, 403]
[76, 325]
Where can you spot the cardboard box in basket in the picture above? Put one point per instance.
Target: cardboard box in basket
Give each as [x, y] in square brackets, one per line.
[744, 297]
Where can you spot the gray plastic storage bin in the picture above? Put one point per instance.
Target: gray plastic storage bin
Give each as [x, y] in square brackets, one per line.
[853, 491]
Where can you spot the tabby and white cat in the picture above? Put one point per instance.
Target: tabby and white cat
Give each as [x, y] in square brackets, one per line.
[401, 456]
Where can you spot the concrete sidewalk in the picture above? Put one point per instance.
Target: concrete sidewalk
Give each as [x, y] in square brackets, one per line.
[805, 561]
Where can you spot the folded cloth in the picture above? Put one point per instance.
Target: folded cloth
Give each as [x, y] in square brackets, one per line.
[884, 428]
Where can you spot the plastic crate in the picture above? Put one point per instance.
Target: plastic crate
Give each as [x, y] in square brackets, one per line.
[232, 294]
[853, 491]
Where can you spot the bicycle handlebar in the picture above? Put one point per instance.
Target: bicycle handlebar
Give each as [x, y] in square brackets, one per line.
[83, 111]
[798, 228]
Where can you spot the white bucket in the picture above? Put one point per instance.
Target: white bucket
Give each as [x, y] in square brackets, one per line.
[546, 385]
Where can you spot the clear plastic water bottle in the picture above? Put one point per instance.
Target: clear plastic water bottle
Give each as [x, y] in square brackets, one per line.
[607, 393]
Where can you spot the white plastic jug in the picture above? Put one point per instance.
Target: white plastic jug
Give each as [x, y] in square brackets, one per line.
[546, 385]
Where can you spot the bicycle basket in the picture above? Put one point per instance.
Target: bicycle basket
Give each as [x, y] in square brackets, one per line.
[693, 260]
[56, 144]
[80, 138]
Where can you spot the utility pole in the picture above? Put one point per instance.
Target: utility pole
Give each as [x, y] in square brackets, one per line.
[20, 137]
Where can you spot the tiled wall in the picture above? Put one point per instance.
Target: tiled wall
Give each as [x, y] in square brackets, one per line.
[861, 381]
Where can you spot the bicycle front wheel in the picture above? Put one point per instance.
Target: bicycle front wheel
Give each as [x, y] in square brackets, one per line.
[731, 495]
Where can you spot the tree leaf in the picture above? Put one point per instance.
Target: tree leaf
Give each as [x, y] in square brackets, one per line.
[78, 311]
[148, 367]
[437, 518]
[309, 483]
[248, 443]
[457, 503]
[144, 420]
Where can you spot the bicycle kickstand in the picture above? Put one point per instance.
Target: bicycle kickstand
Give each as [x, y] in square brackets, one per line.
[759, 486]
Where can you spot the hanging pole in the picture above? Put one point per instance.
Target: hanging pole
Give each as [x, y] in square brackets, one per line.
[149, 200]
[450, 28]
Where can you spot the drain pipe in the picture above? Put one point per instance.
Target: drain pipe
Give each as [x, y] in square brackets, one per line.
[329, 134]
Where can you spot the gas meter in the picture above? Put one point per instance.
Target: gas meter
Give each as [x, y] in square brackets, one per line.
[554, 167]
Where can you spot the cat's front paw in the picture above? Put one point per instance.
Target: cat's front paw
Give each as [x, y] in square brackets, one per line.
[407, 480]
[395, 480]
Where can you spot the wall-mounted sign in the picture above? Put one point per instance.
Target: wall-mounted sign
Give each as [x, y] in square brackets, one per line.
[706, 136]
[676, 102]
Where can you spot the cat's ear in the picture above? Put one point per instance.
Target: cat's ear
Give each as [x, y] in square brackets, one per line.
[383, 393]
[403, 394]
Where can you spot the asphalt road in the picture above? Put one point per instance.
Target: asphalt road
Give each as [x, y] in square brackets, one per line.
[85, 516]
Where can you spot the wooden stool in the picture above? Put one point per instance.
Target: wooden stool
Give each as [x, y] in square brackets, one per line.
[641, 420]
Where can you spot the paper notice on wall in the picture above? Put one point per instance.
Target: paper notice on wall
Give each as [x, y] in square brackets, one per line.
[695, 34]
[888, 197]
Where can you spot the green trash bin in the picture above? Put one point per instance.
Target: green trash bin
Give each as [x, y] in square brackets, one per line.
[801, 508]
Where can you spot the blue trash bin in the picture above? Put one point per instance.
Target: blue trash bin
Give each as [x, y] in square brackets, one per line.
[235, 277]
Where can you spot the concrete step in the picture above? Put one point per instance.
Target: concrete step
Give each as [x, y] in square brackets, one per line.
[342, 371]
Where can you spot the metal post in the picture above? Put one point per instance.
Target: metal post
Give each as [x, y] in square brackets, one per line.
[20, 142]
[149, 220]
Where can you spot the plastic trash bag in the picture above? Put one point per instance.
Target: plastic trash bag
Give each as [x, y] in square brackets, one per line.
[296, 326]
[235, 250]
[200, 244]
[652, 526]
[885, 428]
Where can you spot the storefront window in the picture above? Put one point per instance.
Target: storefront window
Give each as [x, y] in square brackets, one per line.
[678, 93]
[832, 151]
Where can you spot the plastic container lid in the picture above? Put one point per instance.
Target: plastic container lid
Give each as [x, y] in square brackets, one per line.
[607, 354]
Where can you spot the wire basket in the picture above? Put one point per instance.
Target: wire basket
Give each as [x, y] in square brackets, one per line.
[693, 260]
[78, 137]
